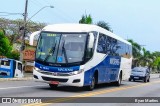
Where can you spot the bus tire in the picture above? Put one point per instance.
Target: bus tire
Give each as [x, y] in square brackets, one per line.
[53, 86]
[92, 85]
[118, 83]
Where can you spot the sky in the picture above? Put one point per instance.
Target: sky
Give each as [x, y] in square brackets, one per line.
[131, 19]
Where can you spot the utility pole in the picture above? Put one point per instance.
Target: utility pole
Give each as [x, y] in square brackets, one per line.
[24, 31]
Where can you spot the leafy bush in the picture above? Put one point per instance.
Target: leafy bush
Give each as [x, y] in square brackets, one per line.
[14, 55]
[5, 47]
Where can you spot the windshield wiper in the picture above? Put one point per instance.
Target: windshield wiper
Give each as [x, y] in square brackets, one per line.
[49, 53]
[65, 54]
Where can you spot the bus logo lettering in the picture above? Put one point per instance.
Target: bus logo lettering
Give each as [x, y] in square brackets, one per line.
[114, 61]
[65, 69]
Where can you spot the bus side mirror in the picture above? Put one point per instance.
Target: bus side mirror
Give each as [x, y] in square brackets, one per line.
[91, 40]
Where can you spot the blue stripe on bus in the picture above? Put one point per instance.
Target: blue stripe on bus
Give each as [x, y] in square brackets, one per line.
[108, 70]
[57, 69]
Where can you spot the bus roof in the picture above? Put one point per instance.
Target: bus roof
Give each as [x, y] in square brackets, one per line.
[81, 28]
[10, 59]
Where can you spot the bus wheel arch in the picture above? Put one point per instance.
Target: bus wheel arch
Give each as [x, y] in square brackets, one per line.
[121, 74]
[94, 81]
[118, 82]
[96, 76]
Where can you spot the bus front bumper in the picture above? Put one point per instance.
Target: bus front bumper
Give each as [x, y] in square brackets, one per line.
[74, 80]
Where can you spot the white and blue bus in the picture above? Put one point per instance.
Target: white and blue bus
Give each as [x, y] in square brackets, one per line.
[81, 55]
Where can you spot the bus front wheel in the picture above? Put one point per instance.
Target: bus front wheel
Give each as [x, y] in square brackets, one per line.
[92, 85]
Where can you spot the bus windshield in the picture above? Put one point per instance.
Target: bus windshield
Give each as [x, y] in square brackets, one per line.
[61, 47]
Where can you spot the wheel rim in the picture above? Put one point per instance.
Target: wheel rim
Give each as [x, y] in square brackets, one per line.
[93, 83]
[120, 79]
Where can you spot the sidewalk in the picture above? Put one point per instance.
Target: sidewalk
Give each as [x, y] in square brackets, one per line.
[27, 76]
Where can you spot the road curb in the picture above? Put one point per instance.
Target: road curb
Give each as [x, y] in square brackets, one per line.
[16, 79]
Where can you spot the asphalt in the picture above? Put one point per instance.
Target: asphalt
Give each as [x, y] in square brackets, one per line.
[30, 88]
[29, 76]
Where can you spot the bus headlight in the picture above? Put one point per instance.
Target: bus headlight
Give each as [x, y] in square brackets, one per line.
[37, 69]
[77, 72]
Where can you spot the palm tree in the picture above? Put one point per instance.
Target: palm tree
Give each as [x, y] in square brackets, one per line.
[146, 58]
[156, 64]
[156, 60]
[86, 19]
[136, 51]
[136, 48]
[104, 25]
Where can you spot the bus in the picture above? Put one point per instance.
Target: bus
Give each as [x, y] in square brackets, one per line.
[81, 55]
[10, 68]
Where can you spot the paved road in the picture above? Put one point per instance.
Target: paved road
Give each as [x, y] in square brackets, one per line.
[36, 89]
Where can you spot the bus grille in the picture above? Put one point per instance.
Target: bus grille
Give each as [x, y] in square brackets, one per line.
[54, 79]
[55, 73]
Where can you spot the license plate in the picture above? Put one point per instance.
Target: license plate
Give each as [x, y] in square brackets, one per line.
[54, 82]
[136, 77]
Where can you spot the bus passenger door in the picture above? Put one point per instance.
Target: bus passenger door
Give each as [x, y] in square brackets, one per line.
[18, 70]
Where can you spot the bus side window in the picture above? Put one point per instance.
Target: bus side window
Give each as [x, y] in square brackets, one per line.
[5, 63]
[128, 51]
[89, 51]
[20, 67]
[101, 47]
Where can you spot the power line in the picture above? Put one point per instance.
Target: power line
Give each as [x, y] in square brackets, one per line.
[46, 1]
[60, 14]
[65, 14]
[34, 3]
[11, 13]
[4, 15]
[40, 2]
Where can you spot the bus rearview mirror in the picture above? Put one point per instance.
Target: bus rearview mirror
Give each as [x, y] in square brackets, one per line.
[91, 40]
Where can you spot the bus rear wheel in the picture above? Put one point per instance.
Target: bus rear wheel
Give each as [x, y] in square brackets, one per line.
[118, 83]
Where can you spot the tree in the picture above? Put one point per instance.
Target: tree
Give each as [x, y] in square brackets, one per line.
[136, 52]
[104, 25]
[156, 63]
[14, 55]
[86, 19]
[136, 48]
[146, 59]
[13, 28]
[5, 47]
